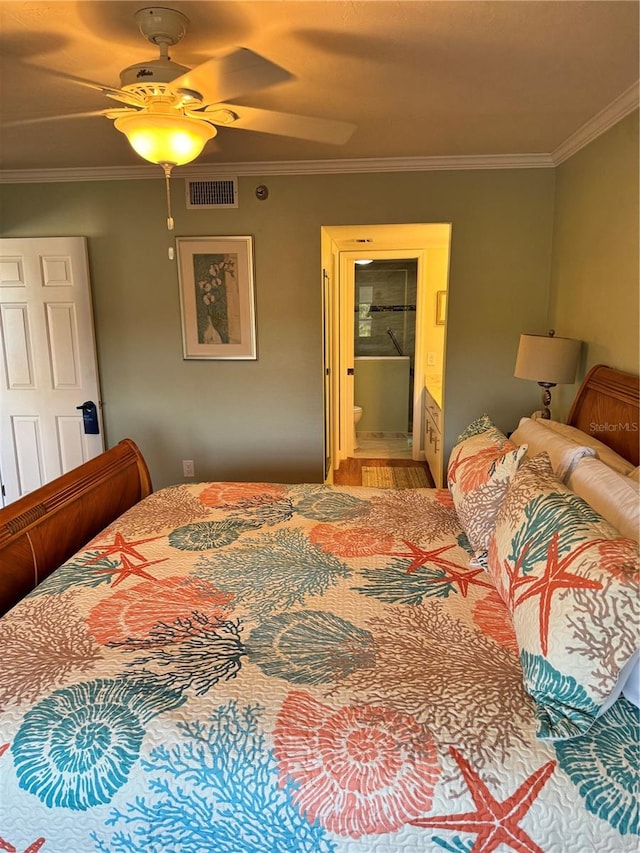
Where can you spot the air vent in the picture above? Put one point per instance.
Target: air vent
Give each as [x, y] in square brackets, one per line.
[212, 194]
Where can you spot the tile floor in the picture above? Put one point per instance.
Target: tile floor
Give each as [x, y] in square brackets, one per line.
[383, 445]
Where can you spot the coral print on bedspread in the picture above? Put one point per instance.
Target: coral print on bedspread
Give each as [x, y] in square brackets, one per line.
[265, 668]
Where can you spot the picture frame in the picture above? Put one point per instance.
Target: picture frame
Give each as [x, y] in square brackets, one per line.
[217, 298]
[441, 307]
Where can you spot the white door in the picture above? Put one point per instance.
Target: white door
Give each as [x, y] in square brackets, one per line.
[48, 362]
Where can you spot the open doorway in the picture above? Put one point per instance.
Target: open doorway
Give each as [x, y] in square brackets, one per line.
[426, 247]
[384, 333]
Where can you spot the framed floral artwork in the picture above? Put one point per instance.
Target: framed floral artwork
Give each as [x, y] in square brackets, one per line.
[217, 300]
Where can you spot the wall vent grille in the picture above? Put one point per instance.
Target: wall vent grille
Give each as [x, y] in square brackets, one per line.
[212, 193]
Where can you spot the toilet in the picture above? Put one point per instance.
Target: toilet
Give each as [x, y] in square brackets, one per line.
[357, 414]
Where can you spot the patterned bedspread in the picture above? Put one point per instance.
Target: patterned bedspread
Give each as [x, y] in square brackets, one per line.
[238, 667]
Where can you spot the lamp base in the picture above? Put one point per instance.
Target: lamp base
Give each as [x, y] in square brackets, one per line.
[546, 399]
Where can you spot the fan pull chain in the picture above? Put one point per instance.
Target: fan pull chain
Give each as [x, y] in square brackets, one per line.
[167, 175]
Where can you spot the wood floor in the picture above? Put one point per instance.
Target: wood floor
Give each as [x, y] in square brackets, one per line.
[350, 471]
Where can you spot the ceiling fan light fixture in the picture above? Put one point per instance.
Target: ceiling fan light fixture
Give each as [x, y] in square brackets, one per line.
[166, 139]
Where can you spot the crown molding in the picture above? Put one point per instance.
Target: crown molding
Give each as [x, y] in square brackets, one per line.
[90, 173]
[372, 165]
[285, 167]
[624, 104]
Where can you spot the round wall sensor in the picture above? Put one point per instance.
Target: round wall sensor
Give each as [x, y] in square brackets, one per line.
[262, 192]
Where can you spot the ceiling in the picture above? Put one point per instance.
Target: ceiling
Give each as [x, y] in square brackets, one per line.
[419, 79]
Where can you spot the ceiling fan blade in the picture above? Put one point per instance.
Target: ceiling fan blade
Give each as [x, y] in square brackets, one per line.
[111, 92]
[72, 78]
[59, 117]
[283, 124]
[231, 74]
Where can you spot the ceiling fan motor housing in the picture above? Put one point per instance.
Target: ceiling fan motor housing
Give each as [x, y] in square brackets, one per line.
[161, 25]
[154, 71]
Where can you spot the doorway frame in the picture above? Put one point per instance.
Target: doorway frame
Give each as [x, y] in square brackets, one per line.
[367, 241]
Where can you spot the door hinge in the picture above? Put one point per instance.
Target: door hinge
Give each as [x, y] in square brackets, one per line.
[350, 371]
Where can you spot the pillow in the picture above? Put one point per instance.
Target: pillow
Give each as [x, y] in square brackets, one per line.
[570, 582]
[608, 456]
[481, 424]
[564, 454]
[627, 684]
[631, 689]
[478, 474]
[614, 496]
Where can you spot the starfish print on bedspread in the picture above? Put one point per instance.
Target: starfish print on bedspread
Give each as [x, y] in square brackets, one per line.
[120, 546]
[32, 848]
[556, 577]
[127, 568]
[463, 578]
[495, 823]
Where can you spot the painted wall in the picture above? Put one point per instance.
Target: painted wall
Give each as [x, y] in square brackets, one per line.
[596, 252]
[264, 419]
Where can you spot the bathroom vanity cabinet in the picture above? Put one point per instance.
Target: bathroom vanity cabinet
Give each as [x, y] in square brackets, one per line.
[432, 438]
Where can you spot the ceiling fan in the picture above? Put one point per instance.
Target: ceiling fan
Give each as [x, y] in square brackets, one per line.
[171, 111]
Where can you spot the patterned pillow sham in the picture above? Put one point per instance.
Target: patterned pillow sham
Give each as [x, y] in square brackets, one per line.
[481, 424]
[570, 581]
[479, 470]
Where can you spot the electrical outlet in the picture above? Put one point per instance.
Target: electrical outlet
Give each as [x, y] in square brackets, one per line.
[431, 359]
[187, 468]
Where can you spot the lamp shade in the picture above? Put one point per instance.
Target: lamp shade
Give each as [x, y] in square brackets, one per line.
[546, 358]
[165, 139]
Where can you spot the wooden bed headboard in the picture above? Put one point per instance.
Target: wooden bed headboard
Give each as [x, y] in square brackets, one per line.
[44, 528]
[606, 407]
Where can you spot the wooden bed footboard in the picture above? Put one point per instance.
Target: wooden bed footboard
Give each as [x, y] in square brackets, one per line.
[43, 529]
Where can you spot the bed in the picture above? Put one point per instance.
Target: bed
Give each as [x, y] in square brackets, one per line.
[231, 667]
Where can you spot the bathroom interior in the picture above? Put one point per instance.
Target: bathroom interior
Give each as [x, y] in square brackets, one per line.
[384, 353]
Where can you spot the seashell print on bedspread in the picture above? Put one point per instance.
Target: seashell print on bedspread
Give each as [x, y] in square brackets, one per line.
[266, 668]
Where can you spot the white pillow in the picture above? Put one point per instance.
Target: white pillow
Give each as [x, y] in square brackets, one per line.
[628, 684]
[631, 689]
[608, 456]
[564, 454]
[614, 496]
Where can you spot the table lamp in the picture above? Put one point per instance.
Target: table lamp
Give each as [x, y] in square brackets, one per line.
[549, 361]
